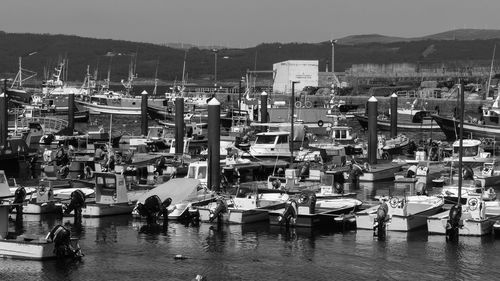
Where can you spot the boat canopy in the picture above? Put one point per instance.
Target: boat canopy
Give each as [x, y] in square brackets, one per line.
[179, 189]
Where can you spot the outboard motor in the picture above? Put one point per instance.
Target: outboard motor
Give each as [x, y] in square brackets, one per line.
[221, 207]
[304, 171]
[453, 223]
[289, 215]
[19, 197]
[160, 165]
[164, 208]
[381, 220]
[150, 209]
[61, 158]
[76, 204]
[64, 172]
[193, 217]
[309, 199]
[467, 173]
[411, 172]
[61, 237]
[276, 184]
[312, 203]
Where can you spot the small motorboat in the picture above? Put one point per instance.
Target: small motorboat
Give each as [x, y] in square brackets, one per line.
[111, 196]
[184, 192]
[57, 244]
[400, 214]
[475, 221]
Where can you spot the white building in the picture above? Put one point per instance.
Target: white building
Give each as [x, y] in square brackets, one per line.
[303, 71]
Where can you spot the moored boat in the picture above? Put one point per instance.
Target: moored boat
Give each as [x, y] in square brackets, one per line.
[57, 244]
[111, 197]
[402, 214]
[475, 221]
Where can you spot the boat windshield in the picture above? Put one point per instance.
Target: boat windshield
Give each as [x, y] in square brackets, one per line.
[468, 151]
[265, 139]
[340, 134]
[191, 172]
[202, 173]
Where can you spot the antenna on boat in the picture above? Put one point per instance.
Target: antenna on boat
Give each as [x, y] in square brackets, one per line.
[156, 76]
[491, 71]
[184, 70]
[460, 143]
[110, 127]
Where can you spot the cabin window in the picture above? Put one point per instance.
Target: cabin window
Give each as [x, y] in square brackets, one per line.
[202, 173]
[191, 172]
[283, 139]
[468, 151]
[343, 134]
[107, 184]
[337, 134]
[2, 179]
[265, 139]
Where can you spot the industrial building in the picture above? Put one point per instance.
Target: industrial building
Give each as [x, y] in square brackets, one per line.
[305, 72]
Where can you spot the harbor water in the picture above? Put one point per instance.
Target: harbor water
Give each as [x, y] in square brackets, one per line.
[122, 248]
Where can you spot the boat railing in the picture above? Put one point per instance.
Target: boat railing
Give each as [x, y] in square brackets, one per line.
[49, 124]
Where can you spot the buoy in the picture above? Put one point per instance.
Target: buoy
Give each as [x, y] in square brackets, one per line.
[180, 257]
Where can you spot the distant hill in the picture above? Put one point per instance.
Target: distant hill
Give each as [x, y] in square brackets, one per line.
[369, 38]
[469, 46]
[465, 34]
[457, 34]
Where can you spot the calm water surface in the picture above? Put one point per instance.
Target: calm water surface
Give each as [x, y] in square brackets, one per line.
[115, 248]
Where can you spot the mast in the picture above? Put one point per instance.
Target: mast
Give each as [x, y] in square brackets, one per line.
[460, 135]
[156, 76]
[18, 80]
[491, 71]
[184, 71]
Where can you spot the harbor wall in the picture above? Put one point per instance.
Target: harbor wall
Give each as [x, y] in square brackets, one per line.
[446, 106]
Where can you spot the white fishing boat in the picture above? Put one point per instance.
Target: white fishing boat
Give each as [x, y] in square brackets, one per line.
[6, 191]
[275, 144]
[473, 153]
[42, 201]
[111, 197]
[404, 214]
[306, 211]
[31, 247]
[379, 171]
[475, 221]
[450, 193]
[489, 175]
[241, 210]
[184, 192]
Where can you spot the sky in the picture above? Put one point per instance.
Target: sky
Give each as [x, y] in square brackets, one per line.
[244, 23]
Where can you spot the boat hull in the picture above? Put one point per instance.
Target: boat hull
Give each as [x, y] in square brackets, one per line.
[426, 125]
[102, 210]
[48, 208]
[366, 219]
[121, 110]
[436, 224]
[322, 216]
[380, 172]
[31, 250]
[450, 128]
[236, 216]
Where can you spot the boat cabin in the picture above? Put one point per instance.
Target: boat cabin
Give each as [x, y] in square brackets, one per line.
[289, 181]
[471, 148]
[110, 188]
[271, 144]
[4, 186]
[198, 170]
